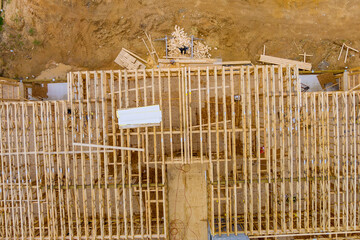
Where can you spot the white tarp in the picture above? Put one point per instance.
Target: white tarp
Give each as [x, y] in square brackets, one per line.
[139, 117]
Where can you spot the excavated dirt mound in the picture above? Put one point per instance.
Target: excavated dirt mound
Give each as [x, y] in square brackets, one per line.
[91, 33]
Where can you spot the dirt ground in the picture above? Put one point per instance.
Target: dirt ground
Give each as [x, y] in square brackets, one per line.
[90, 33]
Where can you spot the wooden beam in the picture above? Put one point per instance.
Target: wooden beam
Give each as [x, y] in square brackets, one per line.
[108, 147]
[189, 61]
[283, 61]
[233, 63]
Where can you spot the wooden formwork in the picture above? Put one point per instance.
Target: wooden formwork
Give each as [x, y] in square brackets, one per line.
[280, 162]
[191, 100]
[51, 189]
[10, 90]
[277, 157]
[298, 171]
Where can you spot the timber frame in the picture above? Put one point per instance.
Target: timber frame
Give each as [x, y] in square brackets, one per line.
[11, 90]
[280, 162]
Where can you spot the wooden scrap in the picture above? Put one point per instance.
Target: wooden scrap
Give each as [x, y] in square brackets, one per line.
[151, 45]
[283, 61]
[347, 51]
[305, 55]
[150, 52]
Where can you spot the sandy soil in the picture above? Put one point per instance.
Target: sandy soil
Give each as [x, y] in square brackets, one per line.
[90, 33]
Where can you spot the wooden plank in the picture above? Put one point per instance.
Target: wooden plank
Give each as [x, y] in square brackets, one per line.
[225, 136]
[211, 166]
[283, 61]
[107, 147]
[233, 63]
[133, 54]
[192, 61]
[233, 150]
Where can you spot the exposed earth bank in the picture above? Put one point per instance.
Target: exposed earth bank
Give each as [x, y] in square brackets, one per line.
[89, 34]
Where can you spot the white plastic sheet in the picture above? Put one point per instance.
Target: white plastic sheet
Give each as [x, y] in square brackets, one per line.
[139, 117]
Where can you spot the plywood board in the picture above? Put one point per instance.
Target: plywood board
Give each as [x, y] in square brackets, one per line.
[187, 201]
[187, 60]
[129, 60]
[326, 78]
[39, 90]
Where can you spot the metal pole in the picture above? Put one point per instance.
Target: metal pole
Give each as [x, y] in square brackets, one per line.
[166, 47]
[192, 46]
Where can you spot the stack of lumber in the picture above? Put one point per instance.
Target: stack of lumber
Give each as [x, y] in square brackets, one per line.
[180, 39]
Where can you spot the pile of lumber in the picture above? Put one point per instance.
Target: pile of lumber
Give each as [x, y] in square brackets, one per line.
[201, 50]
[181, 39]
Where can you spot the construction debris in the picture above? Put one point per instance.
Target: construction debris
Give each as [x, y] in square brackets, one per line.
[283, 61]
[151, 49]
[129, 60]
[305, 55]
[347, 51]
